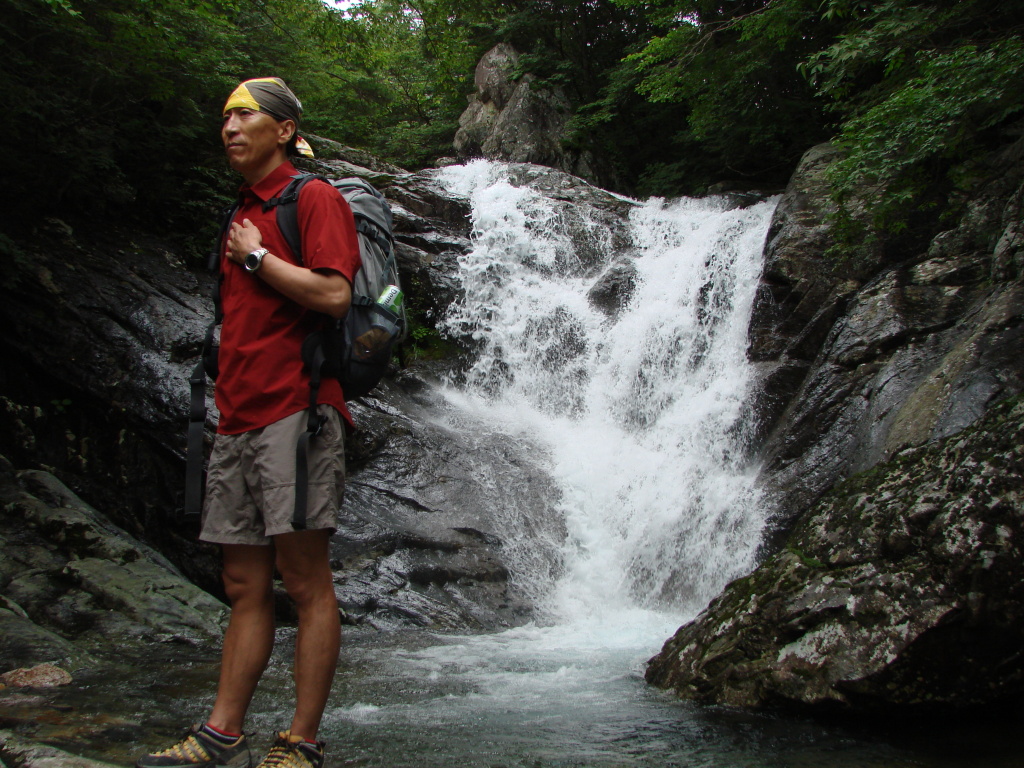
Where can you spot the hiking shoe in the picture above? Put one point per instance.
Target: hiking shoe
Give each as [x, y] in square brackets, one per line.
[200, 747]
[293, 752]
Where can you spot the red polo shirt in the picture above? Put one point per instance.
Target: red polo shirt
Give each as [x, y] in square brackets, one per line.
[262, 378]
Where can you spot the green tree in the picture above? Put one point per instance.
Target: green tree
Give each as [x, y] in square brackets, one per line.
[924, 89]
[105, 102]
[742, 111]
[393, 76]
[113, 106]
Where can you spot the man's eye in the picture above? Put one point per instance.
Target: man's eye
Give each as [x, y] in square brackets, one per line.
[240, 112]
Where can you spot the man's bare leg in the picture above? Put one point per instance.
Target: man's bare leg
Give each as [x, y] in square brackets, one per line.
[303, 560]
[249, 639]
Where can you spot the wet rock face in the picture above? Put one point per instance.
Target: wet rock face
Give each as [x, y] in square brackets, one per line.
[614, 289]
[903, 586]
[861, 361]
[594, 219]
[100, 337]
[433, 521]
[494, 87]
[911, 361]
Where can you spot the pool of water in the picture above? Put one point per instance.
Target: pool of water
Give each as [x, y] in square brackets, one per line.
[561, 696]
[530, 697]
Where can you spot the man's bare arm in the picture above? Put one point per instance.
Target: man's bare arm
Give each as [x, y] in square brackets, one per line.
[327, 292]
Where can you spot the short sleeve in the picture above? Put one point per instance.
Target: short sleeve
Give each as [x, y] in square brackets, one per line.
[329, 239]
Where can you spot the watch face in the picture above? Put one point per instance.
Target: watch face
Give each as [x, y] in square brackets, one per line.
[254, 259]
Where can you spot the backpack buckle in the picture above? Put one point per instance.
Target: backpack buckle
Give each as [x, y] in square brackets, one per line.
[315, 425]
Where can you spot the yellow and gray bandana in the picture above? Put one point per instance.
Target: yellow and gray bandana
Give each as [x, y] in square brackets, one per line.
[272, 96]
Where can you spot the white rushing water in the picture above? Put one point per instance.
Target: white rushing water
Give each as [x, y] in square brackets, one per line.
[639, 415]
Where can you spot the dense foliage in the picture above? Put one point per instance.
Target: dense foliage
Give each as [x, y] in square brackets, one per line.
[744, 114]
[925, 89]
[107, 104]
[111, 106]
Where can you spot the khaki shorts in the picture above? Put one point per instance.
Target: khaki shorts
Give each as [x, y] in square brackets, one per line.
[250, 486]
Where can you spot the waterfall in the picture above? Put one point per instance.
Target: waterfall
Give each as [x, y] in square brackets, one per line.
[638, 416]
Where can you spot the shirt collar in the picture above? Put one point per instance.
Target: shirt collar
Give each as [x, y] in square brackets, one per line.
[271, 184]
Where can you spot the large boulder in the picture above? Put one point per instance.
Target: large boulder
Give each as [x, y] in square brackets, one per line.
[494, 84]
[511, 117]
[903, 586]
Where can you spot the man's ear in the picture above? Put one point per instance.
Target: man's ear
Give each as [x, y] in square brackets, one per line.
[286, 129]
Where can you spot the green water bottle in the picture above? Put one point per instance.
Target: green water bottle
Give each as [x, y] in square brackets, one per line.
[391, 299]
[384, 327]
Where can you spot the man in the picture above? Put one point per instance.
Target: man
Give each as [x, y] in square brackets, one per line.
[272, 299]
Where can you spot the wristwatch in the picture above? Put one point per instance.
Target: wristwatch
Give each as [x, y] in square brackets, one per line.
[255, 259]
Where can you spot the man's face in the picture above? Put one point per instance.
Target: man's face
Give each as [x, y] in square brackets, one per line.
[252, 139]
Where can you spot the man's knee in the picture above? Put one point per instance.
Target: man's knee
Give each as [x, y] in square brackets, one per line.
[240, 589]
[304, 563]
[309, 586]
[248, 573]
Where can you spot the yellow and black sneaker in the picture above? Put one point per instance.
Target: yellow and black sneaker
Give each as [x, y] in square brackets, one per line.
[202, 745]
[294, 752]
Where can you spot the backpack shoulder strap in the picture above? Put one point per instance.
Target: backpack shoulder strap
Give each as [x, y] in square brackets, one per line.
[288, 211]
[213, 260]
